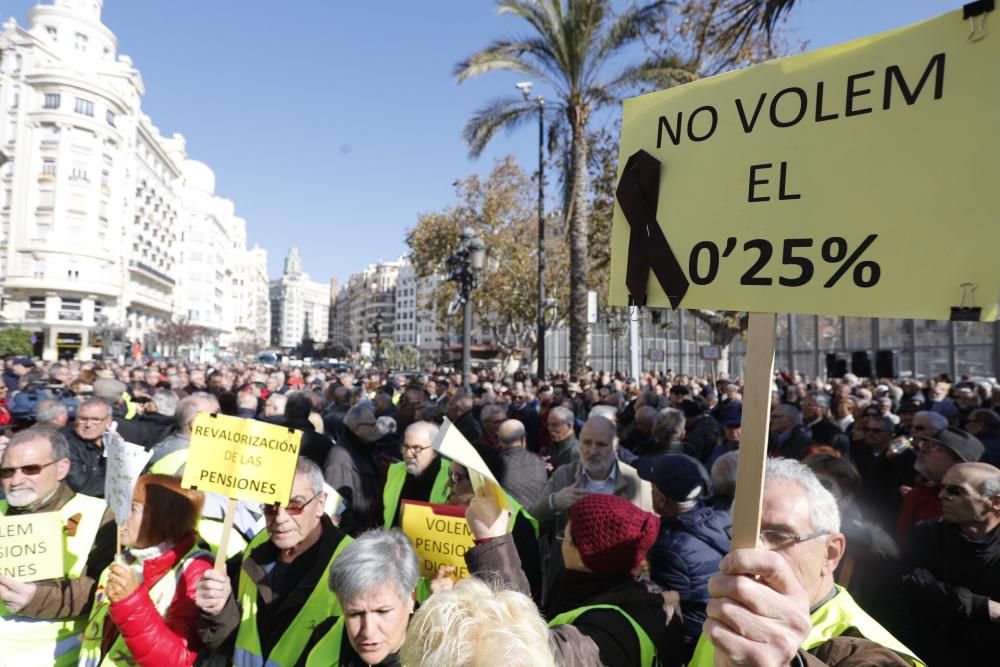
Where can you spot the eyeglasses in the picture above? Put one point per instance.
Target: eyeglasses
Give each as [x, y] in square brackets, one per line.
[561, 536]
[371, 424]
[776, 540]
[414, 449]
[457, 477]
[29, 470]
[874, 430]
[290, 510]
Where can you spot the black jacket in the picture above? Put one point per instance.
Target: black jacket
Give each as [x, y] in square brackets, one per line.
[147, 429]
[949, 585]
[351, 470]
[314, 446]
[87, 465]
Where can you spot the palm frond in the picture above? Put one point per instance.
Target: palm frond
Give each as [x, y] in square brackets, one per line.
[624, 30]
[502, 113]
[660, 73]
[742, 17]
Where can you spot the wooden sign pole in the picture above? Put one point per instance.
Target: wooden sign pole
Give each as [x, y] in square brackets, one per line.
[756, 424]
[227, 529]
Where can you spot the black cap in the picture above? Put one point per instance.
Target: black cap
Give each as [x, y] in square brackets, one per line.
[677, 476]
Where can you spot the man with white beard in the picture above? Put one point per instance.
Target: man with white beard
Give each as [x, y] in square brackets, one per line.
[41, 623]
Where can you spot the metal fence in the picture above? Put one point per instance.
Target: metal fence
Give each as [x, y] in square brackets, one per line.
[919, 347]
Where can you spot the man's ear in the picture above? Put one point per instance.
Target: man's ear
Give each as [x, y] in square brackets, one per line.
[62, 469]
[836, 545]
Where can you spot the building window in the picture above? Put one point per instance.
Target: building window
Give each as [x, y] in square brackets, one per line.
[80, 42]
[79, 174]
[16, 101]
[86, 107]
[53, 32]
[111, 118]
[51, 101]
[49, 167]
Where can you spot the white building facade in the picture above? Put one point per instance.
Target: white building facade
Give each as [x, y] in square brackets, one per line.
[300, 307]
[96, 205]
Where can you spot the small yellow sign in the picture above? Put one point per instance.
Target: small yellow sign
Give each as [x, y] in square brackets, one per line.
[858, 179]
[242, 458]
[31, 546]
[440, 535]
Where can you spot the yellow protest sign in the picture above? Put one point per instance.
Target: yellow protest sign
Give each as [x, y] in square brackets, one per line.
[858, 179]
[451, 444]
[31, 546]
[440, 535]
[242, 458]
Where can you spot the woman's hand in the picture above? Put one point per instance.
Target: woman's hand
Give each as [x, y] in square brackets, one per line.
[121, 582]
[444, 580]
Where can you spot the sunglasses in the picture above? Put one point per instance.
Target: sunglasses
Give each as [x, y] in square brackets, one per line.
[30, 470]
[290, 510]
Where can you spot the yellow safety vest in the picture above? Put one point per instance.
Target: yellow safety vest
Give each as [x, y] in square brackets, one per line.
[647, 649]
[211, 532]
[320, 605]
[33, 641]
[394, 482]
[839, 614]
[170, 464]
[327, 650]
[161, 595]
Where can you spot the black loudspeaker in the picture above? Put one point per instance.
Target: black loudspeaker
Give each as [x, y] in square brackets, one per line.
[885, 363]
[835, 366]
[861, 364]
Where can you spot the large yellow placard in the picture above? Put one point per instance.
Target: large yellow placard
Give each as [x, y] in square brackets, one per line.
[242, 458]
[31, 546]
[440, 535]
[860, 179]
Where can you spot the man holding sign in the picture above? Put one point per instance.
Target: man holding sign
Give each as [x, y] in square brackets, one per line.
[33, 471]
[280, 584]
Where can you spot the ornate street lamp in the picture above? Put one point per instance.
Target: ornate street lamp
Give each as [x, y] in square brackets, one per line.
[464, 267]
[616, 328]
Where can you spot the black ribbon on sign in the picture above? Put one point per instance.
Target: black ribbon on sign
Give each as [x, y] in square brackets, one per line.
[638, 193]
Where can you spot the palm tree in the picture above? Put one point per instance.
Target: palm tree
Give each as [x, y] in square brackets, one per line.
[569, 49]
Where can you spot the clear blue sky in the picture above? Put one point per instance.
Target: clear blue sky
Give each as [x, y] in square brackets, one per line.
[334, 125]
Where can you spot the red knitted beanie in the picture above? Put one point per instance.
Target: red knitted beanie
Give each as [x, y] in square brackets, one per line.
[611, 533]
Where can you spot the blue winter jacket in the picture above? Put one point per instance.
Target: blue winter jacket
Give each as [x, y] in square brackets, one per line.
[686, 553]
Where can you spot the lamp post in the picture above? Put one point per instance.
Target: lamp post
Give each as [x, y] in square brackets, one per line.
[464, 267]
[377, 329]
[525, 88]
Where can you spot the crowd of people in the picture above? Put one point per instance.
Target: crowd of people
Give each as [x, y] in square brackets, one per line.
[878, 544]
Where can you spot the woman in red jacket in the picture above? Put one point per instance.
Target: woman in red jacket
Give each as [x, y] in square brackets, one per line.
[144, 611]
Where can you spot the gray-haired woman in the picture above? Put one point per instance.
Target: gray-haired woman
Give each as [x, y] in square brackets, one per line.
[373, 578]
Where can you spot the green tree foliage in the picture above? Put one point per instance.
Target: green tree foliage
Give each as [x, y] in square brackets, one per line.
[15, 341]
[501, 210]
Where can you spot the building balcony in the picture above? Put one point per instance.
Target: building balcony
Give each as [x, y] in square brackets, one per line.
[70, 315]
[145, 270]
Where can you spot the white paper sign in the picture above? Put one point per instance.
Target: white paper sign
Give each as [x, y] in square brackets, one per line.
[125, 463]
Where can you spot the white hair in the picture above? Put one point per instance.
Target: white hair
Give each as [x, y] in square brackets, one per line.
[823, 512]
[606, 411]
[474, 625]
[376, 558]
